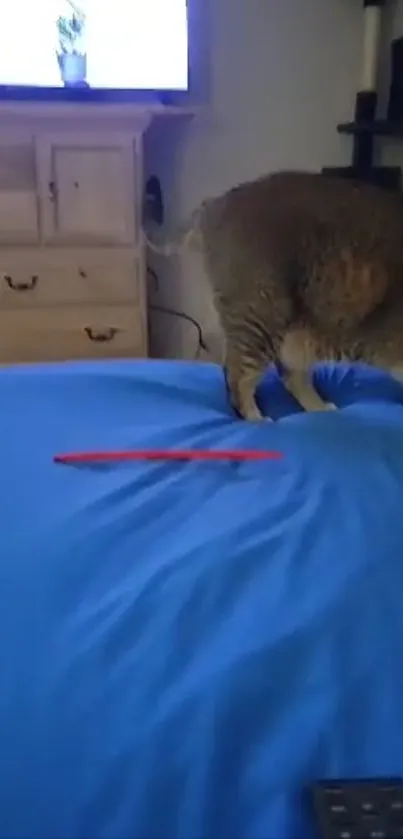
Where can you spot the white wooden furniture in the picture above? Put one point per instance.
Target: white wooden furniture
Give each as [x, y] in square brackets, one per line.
[72, 278]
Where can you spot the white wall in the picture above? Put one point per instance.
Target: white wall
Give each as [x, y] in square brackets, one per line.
[390, 152]
[278, 76]
[395, 12]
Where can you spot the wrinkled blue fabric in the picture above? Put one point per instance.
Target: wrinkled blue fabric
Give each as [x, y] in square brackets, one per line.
[185, 647]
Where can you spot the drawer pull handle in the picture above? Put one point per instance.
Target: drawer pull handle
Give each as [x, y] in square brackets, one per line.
[100, 336]
[28, 286]
[52, 190]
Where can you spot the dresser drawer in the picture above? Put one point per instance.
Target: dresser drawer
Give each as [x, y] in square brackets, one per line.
[71, 333]
[39, 278]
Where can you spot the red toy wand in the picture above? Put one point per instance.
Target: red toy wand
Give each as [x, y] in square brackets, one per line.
[235, 455]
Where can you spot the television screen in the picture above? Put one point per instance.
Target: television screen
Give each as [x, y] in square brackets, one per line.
[127, 45]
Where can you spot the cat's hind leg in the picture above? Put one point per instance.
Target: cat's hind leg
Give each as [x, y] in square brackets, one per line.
[242, 376]
[243, 370]
[299, 384]
[298, 352]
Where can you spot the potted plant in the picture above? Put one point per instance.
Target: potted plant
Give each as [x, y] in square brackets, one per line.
[71, 55]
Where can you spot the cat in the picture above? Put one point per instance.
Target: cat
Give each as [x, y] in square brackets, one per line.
[304, 268]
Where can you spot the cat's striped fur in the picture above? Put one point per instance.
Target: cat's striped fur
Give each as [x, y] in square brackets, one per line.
[304, 268]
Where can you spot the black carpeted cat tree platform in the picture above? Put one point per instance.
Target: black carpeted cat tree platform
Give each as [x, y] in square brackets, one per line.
[366, 126]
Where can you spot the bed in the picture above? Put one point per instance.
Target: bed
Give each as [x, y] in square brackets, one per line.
[185, 647]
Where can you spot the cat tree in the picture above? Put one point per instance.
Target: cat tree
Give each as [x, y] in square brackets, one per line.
[366, 126]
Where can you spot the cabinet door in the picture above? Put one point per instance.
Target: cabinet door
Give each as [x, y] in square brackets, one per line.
[87, 191]
[18, 197]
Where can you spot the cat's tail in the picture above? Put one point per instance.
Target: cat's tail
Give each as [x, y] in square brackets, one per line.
[189, 237]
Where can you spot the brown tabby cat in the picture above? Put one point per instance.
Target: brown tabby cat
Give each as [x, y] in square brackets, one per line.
[304, 268]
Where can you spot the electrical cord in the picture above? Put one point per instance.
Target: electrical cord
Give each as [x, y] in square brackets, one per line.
[166, 310]
[154, 276]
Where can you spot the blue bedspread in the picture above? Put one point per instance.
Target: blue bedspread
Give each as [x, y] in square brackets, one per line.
[184, 647]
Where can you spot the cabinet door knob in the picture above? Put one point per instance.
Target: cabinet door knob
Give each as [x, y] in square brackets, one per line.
[26, 286]
[100, 336]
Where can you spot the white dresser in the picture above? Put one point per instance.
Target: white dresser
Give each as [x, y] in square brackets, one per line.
[72, 278]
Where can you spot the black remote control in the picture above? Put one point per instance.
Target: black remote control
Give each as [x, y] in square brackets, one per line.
[367, 809]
